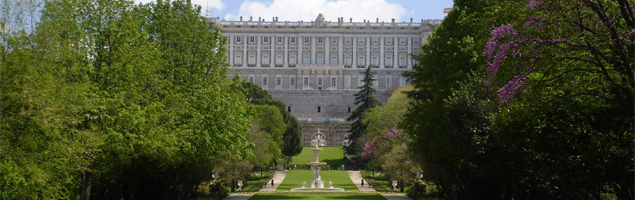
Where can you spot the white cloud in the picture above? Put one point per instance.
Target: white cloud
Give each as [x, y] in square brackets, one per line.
[295, 10]
[212, 4]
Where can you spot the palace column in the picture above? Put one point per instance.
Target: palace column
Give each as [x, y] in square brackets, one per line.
[327, 49]
[258, 58]
[367, 51]
[381, 52]
[285, 43]
[408, 59]
[354, 56]
[231, 49]
[313, 40]
[395, 60]
[244, 39]
[299, 57]
[340, 50]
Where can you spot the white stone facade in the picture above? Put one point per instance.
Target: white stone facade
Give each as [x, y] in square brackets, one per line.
[316, 67]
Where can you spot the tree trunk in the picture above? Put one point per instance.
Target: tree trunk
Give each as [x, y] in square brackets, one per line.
[233, 185]
[86, 185]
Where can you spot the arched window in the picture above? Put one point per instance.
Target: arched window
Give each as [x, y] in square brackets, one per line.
[316, 136]
[265, 60]
[279, 60]
[346, 141]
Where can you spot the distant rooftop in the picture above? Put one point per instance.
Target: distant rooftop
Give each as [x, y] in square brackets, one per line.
[320, 23]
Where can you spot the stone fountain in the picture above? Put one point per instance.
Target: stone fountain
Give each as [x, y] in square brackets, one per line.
[316, 165]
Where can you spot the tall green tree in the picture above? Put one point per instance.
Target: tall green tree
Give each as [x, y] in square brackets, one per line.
[364, 100]
[528, 118]
[109, 100]
[446, 119]
[291, 141]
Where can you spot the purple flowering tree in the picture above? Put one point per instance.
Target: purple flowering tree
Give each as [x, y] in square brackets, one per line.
[592, 37]
[563, 72]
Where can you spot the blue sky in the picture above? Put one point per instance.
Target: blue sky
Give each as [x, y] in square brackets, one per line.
[307, 10]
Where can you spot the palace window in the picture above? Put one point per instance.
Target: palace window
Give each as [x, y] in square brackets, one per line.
[265, 60]
[306, 40]
[252, 39]
[375, 61]
[402, 62]
[238, 60]
[251, 79]
[320, 41]
[292, 81]
[389, 41]
[319, 81]
[293, 60]
[306, 60]
[347, 81]
[292, 40]
[402, 41]
[388, 81]
[333, 40]
[360, 40]
[252, 61]
[347, 40]
[389, 62]
[238, 39]
[278, 60]
[306, 82]
[278, 81]
[361, 62]
[264, 80]
[402, 82]
[333, 82]
[375, 40]
[333, 60]
[265, 39]
[279, 39]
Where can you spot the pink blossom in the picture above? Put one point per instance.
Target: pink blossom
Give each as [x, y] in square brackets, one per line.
[534, 3]
[497, 52]
[532, 19]
[506, 93]
[370, 148]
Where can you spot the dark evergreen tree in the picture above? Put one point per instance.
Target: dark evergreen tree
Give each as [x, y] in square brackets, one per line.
[364, 100]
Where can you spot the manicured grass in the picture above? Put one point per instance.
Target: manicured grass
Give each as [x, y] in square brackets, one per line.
[320, 196]
[294, 179]
[333, 156]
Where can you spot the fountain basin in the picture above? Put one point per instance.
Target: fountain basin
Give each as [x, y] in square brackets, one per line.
[317, 189]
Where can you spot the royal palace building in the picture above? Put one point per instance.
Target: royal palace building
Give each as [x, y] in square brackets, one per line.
[316, 67]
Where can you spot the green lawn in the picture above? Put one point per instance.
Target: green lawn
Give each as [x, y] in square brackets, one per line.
[320, 196]
[294, 179]
[333, 156]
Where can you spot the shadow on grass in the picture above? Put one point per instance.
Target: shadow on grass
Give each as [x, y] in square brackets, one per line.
[368, 197]
[317, 196]
[334, 162]
[267, 197]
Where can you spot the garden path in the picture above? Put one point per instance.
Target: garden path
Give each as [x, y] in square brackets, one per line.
[278, 177]
[396, 197]
[238, 197]
[356, 176]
